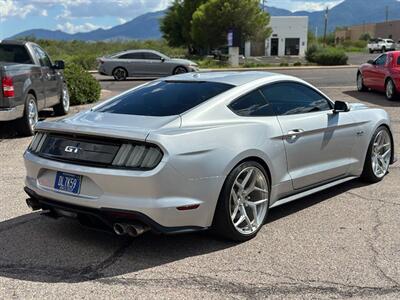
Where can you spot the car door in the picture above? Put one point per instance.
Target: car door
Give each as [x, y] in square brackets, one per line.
[318, 142]
[52, 88]
[156, 65]
[133, 62]
[378, 73]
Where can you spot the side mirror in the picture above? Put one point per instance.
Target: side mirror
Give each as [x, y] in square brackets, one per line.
[371, 62]
[162, 59]
[59, 65]
[341, 106]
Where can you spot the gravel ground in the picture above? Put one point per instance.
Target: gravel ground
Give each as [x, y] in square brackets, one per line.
[341, 243]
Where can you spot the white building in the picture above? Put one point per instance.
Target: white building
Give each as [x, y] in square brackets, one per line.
[288, 38]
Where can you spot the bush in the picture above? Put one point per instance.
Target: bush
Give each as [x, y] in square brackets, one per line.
[284, 64]
[82, 86]
[297, 64]
[310, 53]
[330, 57]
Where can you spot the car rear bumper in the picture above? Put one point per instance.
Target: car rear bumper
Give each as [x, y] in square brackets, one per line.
[161, 195]
[9, 114]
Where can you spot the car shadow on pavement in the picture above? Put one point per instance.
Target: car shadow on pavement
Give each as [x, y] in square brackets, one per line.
[374, 98]
[40, 249]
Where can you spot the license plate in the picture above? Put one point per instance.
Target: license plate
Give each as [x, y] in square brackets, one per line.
[69, 183]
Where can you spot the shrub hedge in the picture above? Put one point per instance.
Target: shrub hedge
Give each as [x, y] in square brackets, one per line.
[82, 86]
[326, 56]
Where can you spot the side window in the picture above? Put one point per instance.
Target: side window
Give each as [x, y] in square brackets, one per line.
[288, 98]
[150, 55]
[134, 55]
[253, 104]
[43, 57]
[381, 60]
[398, 61]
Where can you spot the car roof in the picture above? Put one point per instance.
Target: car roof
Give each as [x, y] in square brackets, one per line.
[232, 78]
[13, 42]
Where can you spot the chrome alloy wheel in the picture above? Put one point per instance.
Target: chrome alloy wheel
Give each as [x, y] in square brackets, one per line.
[33, 115]
[248, 201]
[381, 153]
[120, 74]
[390, 89]
[65, 98]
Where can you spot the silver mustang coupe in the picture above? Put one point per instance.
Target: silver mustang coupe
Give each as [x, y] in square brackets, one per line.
[203, 151]
[143, 63]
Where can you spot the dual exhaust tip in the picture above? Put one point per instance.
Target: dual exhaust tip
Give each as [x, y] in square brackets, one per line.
[133, 230]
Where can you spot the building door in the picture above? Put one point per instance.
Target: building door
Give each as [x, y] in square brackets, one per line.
[292, 46]
[274, 46]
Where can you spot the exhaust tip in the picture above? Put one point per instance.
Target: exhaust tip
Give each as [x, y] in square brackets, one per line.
[33, 204]
[119, 229]
[134, 230]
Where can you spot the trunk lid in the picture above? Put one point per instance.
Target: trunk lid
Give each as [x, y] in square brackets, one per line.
[111, 125]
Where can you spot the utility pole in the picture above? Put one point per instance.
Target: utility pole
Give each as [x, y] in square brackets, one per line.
[326, 24]
[387, 13]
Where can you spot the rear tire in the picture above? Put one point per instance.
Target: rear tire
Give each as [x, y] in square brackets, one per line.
[243, 203]
[62, 108]
[120, 74]
[26, 125]
[390, 90]
[378, 157]
[383, 49]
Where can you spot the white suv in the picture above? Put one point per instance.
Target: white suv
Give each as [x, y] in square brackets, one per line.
[381, 45]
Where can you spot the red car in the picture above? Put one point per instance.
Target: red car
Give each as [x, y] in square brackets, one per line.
[381, 74]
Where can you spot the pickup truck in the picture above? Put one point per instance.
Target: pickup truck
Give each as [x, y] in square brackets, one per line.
[381, 45]
[29, 82]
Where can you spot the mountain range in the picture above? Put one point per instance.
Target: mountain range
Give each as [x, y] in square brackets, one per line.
[349, 12]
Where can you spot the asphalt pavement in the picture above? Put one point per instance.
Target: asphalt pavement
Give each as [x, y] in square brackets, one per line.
[340, 243]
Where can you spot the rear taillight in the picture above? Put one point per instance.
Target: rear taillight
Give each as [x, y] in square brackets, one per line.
[138, 156]
[7, 86]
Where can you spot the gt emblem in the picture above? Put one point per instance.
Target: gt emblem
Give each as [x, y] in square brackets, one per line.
[72, 149]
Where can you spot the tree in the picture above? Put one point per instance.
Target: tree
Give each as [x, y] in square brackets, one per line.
[365, 37]
[177, 23]
[213, 19]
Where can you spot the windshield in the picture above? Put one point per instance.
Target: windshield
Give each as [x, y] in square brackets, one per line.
[14, 54]
[165, 98]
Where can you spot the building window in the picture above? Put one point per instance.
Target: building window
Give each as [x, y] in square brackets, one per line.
[292, 46]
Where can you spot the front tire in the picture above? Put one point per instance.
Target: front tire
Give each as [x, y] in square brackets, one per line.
[360, 83]
[180, 70]
[62, 108]
[379, 156]
[26, 125]
[243, 204]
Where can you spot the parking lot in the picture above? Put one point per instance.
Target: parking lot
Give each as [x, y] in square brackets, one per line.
[344, 242]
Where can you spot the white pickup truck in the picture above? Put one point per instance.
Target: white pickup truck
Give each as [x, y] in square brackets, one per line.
[381, 45]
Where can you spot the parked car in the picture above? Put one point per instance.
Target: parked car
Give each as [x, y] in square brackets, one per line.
[381, 45]
[381, 74]
[143, 63]
[30, 82]
[206, 150]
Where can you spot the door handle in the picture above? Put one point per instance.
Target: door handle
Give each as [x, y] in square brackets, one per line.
[294, 134]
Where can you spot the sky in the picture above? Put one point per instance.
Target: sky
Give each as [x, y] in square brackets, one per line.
[85, 15]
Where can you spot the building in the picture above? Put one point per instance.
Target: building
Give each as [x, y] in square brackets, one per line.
[288, 38]
[390, 30]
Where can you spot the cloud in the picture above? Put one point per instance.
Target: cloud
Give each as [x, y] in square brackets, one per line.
[300, 5]
[10, 8]
[121, 20]
[72, 28]
[44, 13]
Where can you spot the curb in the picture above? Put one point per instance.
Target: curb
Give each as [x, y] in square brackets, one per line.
[270, 68]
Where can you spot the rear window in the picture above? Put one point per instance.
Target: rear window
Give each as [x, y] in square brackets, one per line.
[14, 54]
[165, 98]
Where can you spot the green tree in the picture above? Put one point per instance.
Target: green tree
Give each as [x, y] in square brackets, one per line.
[365, 37]
[177, 23]
[214, 18]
